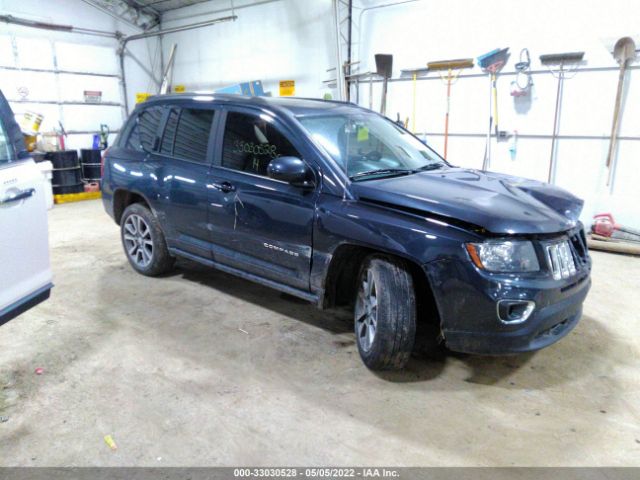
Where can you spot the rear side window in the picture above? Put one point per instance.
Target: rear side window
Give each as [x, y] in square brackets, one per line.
[6, 151]
[192, 134]
[169, 136]
[145, 130]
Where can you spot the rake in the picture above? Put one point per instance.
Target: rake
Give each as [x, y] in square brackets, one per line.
[557, 63]
[453, 69]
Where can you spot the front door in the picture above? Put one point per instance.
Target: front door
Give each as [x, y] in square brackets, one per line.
[25, 274]
[260, 225]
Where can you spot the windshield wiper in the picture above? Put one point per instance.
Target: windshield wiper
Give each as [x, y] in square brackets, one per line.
[383, 171]
[431, 166]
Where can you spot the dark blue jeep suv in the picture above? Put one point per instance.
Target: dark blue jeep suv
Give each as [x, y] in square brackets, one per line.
[338, 205]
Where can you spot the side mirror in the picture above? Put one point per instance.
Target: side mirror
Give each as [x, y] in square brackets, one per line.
[291, 170]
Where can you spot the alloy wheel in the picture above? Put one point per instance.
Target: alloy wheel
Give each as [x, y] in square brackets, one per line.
[137, 240]
[367, 312]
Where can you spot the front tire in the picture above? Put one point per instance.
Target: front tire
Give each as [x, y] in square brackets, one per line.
[143, 241]
[385, 313]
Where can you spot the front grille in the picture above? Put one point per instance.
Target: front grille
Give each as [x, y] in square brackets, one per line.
[560, 258]
[579, 244]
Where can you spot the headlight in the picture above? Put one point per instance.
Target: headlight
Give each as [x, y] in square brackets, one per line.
[504, 256]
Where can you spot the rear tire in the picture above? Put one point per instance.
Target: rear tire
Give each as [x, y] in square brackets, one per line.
[385, 313]
[143, 241]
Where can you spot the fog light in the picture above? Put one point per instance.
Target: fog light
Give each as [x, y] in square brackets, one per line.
[515, 311]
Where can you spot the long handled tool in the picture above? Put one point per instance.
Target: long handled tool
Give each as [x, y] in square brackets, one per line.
[384, 68]
[557, 63]
[492, 63]
[168, 71]
[453, 68]
[414, 73]
[624, 52]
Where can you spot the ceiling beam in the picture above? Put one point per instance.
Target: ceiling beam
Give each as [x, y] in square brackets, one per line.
[122, 11]
[143, 7]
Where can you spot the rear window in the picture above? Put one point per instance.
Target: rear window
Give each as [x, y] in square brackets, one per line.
[144, 132]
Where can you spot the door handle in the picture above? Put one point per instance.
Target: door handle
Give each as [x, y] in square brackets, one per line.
[21, 195]
[224, 187]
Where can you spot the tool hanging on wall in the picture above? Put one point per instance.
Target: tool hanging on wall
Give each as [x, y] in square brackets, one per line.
[557, 63]
[521, 86]
[624, 52]
[384, 68]
[513, 147]
[453, 69]
[414, 73]
[371, 92]
[167, 75]
[104, 136]
[62, 135]
[492, 63]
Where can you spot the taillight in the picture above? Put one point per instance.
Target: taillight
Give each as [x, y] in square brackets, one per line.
[104, 154]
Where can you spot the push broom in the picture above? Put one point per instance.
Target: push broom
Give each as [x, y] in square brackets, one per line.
[492, 63]
[557, 63]
[453, 68]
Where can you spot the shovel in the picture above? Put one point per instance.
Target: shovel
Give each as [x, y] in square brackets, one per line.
[624, 52]
[384, 68]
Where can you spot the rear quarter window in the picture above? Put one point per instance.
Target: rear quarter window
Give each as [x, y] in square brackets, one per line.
[143, 134]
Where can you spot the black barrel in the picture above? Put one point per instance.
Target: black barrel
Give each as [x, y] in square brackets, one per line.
[66, 172]
[90, 163]
[38, 156]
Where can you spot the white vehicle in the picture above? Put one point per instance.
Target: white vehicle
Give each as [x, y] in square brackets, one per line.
[25, 274]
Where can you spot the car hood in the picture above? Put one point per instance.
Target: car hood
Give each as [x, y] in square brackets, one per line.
[501, 204]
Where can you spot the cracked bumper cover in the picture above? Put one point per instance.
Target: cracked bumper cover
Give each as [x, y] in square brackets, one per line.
[467, 298]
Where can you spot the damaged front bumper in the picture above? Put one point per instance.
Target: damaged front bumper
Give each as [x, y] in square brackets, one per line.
[486, 313]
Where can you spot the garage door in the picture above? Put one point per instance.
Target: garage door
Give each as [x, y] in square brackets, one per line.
[77, 84]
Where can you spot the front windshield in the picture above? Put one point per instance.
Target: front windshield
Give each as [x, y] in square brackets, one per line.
[369, 146]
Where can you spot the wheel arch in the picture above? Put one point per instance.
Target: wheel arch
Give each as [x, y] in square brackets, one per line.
[122, 198]
[340, 281]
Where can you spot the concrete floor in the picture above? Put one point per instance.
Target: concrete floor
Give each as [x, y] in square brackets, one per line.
[163, 366]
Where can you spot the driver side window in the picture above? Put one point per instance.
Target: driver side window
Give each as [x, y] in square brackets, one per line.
[250, 143]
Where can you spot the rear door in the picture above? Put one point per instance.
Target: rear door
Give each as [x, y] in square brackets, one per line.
[182, 164]
[25, 274]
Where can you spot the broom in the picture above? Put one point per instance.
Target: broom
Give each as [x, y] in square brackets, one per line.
[413, 72]
[492, 63]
